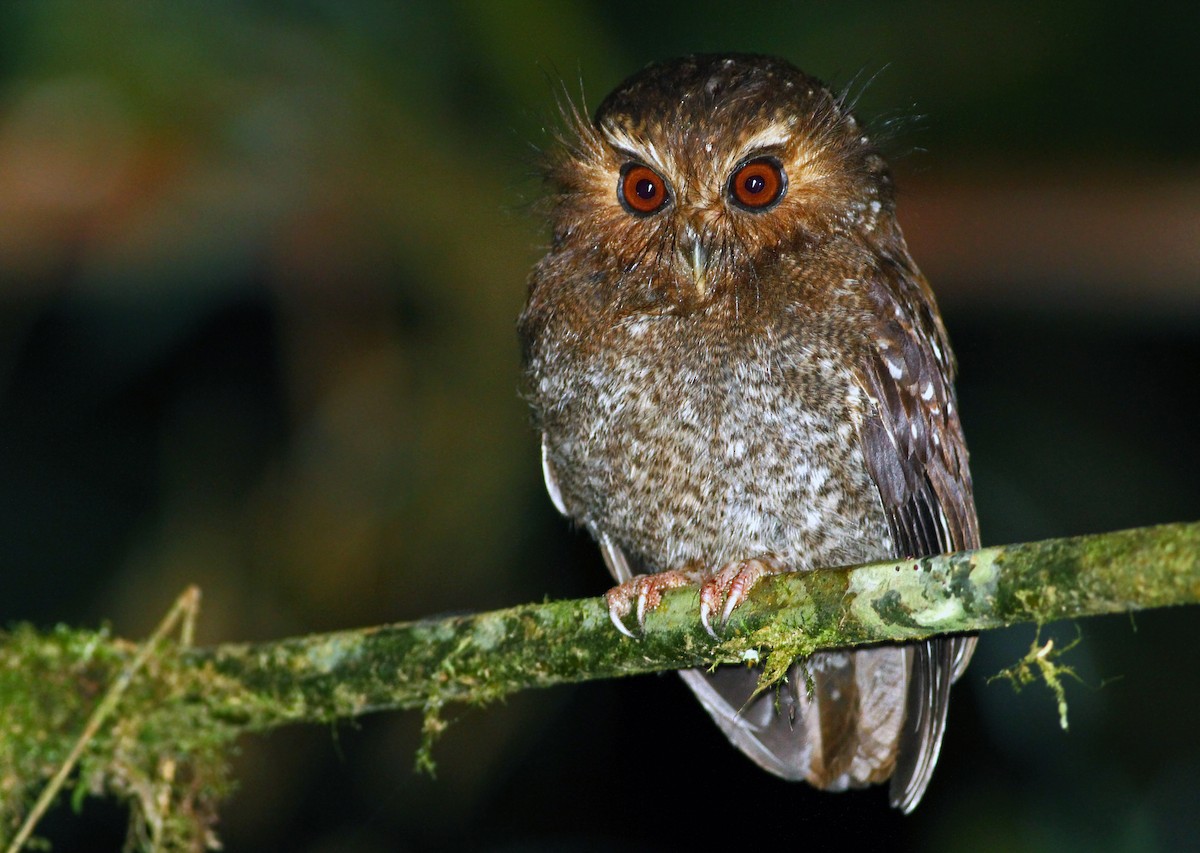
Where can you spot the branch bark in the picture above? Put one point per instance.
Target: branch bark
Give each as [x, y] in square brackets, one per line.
[482, 657]
[187, 705]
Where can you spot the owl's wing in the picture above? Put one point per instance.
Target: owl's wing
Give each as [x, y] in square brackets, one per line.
[848, 719]
[614, 557]
[551, 479]
[916, 454]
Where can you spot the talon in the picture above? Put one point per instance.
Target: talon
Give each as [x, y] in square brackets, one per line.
[620, 626]
[643, 594]
[706, 609]
[704, 619]
[735, 598]
[618, 608]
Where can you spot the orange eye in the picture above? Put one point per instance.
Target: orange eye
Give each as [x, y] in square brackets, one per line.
[758, 184]
[642, 191]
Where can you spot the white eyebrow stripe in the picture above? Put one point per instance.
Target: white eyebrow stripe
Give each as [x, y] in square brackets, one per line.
[638, 148]
[777, 135]
[772, 136]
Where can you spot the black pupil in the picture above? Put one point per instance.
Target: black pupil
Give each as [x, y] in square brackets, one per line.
[755, 184]
[646, 189]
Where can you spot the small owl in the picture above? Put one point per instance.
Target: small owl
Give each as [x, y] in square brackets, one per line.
[737, 370]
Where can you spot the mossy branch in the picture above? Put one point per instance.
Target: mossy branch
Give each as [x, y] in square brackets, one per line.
[165, 748]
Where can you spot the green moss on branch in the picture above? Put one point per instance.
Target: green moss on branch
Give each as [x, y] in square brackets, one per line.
[174, 720]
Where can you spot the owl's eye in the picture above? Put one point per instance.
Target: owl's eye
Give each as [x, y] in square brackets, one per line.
[642, 191]
[757, 185]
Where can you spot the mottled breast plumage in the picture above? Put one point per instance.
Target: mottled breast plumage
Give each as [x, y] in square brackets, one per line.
[688, 440]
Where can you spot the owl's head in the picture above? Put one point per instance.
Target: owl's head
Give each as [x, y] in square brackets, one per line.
[700, 172]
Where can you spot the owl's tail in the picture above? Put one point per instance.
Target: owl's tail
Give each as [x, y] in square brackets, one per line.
[843, 719]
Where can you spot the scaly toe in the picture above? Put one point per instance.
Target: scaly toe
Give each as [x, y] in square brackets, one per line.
[732, 583]
[712, 594]
[750, 574]
[642, 594]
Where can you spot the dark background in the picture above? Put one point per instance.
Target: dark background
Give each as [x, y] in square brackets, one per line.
[259, 269]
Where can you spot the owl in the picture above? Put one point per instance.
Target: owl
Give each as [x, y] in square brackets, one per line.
[738, 370]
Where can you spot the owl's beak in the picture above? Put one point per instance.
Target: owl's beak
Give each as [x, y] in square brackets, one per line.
[695, 259]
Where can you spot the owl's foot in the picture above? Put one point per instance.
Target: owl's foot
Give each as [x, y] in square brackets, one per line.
[642, 593]
[733, 582]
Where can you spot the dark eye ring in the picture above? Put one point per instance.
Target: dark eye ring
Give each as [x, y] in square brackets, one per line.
[758, 184]
[642, 191]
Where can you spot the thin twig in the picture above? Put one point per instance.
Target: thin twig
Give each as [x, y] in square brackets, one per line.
[185, 608]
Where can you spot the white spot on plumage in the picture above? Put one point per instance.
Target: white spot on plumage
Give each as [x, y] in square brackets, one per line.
[637, 327]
